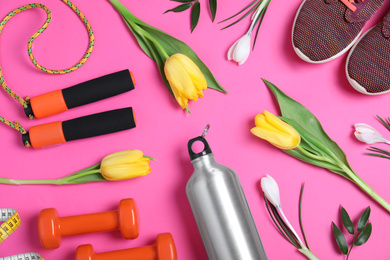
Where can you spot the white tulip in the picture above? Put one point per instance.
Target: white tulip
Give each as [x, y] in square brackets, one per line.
[239, 51]
[368, 134]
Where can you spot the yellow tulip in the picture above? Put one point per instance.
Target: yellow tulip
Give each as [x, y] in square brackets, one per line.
[185, 78]
[277, 132]
[124, 165]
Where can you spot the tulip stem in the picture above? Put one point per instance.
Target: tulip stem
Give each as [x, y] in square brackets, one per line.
[65, 180]
[68, 179]
[364, 186]
[144, 34]
[313, 156]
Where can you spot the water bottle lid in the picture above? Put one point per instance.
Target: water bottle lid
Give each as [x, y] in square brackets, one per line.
[206, 149]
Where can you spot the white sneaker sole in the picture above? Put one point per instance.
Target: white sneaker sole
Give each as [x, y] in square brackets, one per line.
[353, 82]
[307, 59]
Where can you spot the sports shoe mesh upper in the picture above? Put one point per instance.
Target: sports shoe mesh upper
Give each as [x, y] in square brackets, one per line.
[369, 62]
[324, 28]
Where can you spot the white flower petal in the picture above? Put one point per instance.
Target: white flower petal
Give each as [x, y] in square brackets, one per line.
[231, 50]
[242, 50]
[368, 134]
[271, 190]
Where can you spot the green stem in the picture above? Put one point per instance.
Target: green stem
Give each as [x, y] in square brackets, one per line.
[309, 254]
[364, 186]
[353, 241]
[21, 182]
[313, 156]
[64, 180]
[144, 33]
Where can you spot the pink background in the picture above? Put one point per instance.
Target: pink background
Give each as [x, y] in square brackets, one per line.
[163, 129]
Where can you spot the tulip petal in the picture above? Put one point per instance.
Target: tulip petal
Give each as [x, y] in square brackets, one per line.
[281, 140]
[280, 124]
[122, 157]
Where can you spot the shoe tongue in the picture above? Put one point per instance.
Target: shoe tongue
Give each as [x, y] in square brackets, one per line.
[364, 10]
[386, 26]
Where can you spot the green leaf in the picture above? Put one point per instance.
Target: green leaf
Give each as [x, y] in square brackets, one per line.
[183, 1]
[96, 177]
[258, 27]
[179, 8]
[195, 14]
[300, 215]
[239, 11]
[384, 123]
[347, 221]
[378, 150]
[249, 12]
[301, 115]
[378, 155]
[170, 44]
[213, 8]
[340, 239]
[363, 219]
[364, 235]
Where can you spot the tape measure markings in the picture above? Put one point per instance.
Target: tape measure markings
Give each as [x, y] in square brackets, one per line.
[11, 220]
[25, 256]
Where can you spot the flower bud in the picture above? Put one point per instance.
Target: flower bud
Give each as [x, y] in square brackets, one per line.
[240, 50]
[124, 165]
[271, 190]
[277, 132]
[368, 134]
[185, 79]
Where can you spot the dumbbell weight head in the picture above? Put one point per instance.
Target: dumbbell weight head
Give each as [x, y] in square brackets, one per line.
[49, 225]
[128, 216]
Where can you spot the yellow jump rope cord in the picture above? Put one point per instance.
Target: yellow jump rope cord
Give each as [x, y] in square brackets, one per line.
[25, 102]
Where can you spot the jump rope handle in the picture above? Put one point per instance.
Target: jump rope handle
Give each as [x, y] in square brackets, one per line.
[79, 128]
[59, 101]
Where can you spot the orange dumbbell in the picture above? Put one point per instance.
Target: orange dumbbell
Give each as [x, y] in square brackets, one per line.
[164, 249]
[52, 228]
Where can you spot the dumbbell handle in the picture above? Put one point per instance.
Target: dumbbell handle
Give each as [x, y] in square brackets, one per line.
[79, 128]
[59, 101]
[147, 252]
[89, 223]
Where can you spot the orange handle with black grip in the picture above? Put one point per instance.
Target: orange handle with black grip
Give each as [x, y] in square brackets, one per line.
[79, 128]
[59, 101]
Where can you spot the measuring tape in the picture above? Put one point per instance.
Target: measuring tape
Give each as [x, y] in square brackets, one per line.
[26, 256]
[11, 220]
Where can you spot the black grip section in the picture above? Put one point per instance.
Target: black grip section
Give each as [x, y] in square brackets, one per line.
[99, 124]
[206, 149]
[98, 89]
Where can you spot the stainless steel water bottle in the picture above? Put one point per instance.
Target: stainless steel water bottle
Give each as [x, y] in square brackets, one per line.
[220, 209]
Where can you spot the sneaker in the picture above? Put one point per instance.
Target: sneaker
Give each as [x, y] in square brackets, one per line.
[325, 29]
[368, 63]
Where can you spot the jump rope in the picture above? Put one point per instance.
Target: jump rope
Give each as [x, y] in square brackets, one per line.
[61, 100]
